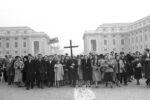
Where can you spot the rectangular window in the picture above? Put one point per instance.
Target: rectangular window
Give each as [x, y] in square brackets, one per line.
[105, 42]
[8, 32]
[120, 29]
[24, 44]
[104, 29]
[36, 47]
[16, 45]
[16, 51]
[122, 41]
[146, 46]
[7, 52]
[136, 39]
[7, 45]
[132, 40]
[112, 29]
[145, 37]
[16, 38]
[114, 42]
[93, 45]
[25, 52]
[122, 35]
[141, 38]
[113, 36]
[105, 36]
[114, 49]
[24, 38]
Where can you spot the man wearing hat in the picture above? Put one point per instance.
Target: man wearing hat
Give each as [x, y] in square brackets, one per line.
[30, 72]
[146, 63]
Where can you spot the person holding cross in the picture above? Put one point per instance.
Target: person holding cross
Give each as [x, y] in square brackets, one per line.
[73, 71]
[72, 65]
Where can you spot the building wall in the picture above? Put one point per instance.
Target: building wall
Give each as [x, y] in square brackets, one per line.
[19, 35]
[12, 49]
[136, 37]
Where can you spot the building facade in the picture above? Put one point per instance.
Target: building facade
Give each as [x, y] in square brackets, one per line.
[118, 37]
[22, 41]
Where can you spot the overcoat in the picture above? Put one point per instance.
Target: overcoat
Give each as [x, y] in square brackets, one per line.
[146, 63]
[73, 70]
[30, 70]
[137, 70]
[50, 71]
[59, 72]
[87, 69]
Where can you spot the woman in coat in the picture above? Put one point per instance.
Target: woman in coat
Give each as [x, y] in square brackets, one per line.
[63, 63]
[101, 62]
[96, 71]
[108, 76]
[80, 71]
[18, 66]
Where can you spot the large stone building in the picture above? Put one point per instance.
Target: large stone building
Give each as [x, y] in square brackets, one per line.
[118, 37]
[23, 40]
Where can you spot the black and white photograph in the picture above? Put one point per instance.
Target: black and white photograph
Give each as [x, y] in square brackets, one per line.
[74, 50]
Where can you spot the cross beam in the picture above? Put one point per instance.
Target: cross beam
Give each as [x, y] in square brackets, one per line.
[71, 47]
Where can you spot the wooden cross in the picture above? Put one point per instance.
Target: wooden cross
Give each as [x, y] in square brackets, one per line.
[71, 48]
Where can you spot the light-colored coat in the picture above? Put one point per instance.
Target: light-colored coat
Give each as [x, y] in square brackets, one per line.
[59, 72]
[18, 65]
[122, 66]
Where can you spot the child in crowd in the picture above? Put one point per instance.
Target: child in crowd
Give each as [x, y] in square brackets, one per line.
[59, 73]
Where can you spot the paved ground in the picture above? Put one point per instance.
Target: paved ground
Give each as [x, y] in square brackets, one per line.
[130, 92]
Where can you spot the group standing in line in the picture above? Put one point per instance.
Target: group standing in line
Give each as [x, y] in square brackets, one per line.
[92, 69]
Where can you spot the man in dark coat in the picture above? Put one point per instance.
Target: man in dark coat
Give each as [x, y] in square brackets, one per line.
[137, 70]
[41, 71]
[50, 71]
[87, 70]
[25, 59]
[129, 66]
[66, 70]
[146, 63]
[30, 72]
[73, 71]
[9, 69]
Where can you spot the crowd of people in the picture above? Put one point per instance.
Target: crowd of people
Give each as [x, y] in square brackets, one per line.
[82, 70]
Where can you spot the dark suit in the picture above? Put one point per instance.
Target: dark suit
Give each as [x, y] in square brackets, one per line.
[50, 71]
[30, 73]
[41, 72]
[73, 71]
[146, 64]
[87, 69]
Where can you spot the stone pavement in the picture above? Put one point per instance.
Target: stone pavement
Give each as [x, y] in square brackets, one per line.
[130, 92]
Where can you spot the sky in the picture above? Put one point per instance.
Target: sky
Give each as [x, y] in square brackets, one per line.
[69, 19]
